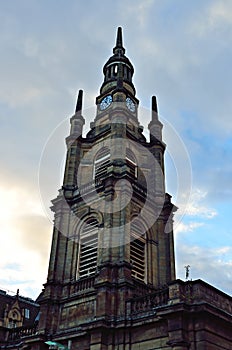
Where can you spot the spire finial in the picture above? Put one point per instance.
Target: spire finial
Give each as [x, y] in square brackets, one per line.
[155, 126]
[154, 108]
[79, 101]
[119, 37]
[77, 121]
[119, 49]
[154, 104]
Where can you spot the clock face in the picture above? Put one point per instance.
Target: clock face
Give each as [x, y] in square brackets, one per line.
[106, 102]
[130, 104]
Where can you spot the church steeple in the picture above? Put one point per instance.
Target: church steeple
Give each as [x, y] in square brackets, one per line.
[110, 241]
[118, 70]
[117, 90]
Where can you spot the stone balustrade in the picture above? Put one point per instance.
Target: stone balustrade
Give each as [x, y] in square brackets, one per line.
[21, 332]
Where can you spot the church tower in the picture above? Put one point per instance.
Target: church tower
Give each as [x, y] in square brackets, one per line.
[111, 281]
[112, 237]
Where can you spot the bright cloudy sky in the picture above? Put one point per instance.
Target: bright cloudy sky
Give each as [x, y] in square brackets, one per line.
[182, 52]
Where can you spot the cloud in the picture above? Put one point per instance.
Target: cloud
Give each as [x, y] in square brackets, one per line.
[137, 10]
[191, 73]
[193, 211]
[195, 207]
[213, 265]
[187, 227]
[212, 169]
[25, 244]
[216, 17]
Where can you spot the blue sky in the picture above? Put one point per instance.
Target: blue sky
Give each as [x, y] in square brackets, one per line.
[181, 52]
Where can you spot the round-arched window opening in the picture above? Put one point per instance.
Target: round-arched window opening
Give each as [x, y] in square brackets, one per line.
[88, 248]
[138, 250]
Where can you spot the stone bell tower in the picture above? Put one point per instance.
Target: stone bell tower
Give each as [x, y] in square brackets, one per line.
[111, 278]
[112, 237]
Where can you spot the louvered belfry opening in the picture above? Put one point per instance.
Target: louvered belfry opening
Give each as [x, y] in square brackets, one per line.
[101, 163]
[138, 251]
[88, 248]
[131, 163]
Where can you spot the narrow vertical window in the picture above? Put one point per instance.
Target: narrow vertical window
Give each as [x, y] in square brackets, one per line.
[116, 69]
[138, 251]
[109, 72]
[27, 313]
[88, 248]
[125, 72]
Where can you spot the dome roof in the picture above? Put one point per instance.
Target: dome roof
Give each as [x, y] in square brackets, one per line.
[118, 70]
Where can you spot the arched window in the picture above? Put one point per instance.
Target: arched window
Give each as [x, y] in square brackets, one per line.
[131, 162]
[14, 318]
[138, 250]
[101, 163]
[88, 248]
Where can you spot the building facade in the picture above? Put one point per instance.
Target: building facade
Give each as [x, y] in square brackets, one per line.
[18, 316]
[111, 278]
